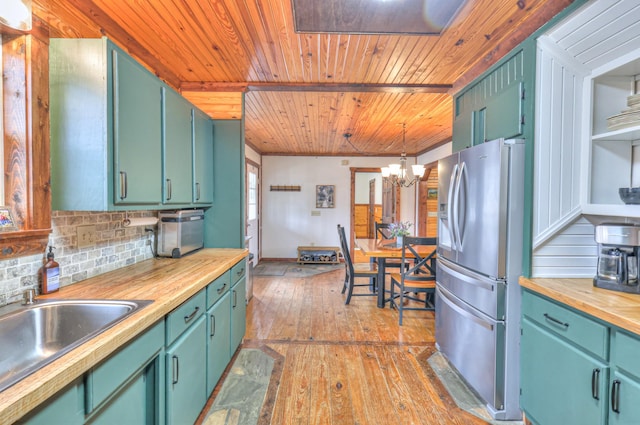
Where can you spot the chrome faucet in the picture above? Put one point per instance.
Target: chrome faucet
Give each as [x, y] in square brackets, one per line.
[29, 297]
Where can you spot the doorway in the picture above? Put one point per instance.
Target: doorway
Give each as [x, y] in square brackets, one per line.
[368, 200]
[252, 180]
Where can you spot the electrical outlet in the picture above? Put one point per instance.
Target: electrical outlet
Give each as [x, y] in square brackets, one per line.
[87, 235]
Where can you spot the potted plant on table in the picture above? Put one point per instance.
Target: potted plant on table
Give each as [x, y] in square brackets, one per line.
[399, 230]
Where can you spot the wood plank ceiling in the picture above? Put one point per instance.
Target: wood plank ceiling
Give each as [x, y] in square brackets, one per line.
[304, 91]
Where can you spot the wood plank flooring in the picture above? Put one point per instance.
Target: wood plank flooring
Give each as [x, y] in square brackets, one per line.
[345, 364]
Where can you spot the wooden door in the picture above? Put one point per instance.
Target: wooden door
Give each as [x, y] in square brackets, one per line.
[428, 204]
[371, 213]
[390, 199]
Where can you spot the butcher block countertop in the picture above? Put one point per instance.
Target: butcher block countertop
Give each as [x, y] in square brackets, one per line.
[167, 282]
[618, 308]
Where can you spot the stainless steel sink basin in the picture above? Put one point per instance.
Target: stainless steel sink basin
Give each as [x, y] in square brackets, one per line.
[35, 335]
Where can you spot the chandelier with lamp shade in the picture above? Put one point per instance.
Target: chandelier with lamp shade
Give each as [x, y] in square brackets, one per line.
[397, 174]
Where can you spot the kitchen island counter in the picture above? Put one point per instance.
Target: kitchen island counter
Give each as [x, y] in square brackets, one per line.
[617, 308]
[167, 282]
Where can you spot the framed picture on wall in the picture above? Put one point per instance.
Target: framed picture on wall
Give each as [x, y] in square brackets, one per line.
[6, 220]
[325, 196]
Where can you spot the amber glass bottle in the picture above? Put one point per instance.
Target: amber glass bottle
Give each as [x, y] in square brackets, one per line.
[50, 274]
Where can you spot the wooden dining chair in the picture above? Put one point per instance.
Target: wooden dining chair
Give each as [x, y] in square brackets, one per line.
[382, 232]
[354, 270]
[417, 276]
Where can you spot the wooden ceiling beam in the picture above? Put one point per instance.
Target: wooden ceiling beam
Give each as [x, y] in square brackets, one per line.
[315, 87]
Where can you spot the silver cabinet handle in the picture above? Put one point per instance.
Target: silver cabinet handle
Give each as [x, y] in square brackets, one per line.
[221, 289]
[123, 184]
[595, 383]
[190, 317]
[168, 189]
[197, 191]
[175, 372]
[235, 299]
[615, 396]
[213, 326]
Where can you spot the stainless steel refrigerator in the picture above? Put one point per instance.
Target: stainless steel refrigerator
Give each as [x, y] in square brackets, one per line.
[480, 219]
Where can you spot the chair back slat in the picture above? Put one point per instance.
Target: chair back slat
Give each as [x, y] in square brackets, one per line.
[345, 249]
[382, 231]
[419, 267]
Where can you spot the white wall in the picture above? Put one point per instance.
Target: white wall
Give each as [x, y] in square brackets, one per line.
[436, 154]
[252, 155]
[286, 216]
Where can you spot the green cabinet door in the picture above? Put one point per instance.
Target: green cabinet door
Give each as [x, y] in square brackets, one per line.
[225, 220]
[128, 407]
[176, 149]
[238, 313]
[218, 340]
[185, 375]
[504, 113]
[624, 405]
[64, 408]
[202, 158]
[560, 384]
[136, 132]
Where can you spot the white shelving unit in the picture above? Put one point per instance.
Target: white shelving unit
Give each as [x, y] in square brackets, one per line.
[614, 159]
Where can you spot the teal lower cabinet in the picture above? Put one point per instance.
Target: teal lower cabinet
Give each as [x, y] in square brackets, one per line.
[218, 340]
[625, 379]
[165, 375]
[65, 408]
[185, 360]
[238, 313]
[122, 389]
[576, 369]
[556, 380]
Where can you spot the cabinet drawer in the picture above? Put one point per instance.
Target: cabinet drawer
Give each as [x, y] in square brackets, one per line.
[217, 288]
[625, 349]
[580, 330]
[182, 317]
[114, 371]
[238, 271]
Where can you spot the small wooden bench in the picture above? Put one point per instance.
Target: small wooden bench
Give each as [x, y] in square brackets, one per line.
[318, 255]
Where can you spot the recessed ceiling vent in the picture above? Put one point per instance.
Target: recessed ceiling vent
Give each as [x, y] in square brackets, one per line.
[418, 17]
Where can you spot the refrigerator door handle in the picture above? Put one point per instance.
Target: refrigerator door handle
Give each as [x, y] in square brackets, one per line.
[463, 310]
[467, 276]
[456, 212]
[450, 206]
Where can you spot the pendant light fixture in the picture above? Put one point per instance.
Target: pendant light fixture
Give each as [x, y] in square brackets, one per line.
[397, 174]
[15, 15]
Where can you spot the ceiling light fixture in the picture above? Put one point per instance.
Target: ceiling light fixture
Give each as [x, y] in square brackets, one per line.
[15, 14]
[397, 174]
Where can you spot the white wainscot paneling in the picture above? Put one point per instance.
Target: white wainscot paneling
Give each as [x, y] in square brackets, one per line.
[557, 141]
[572, 252]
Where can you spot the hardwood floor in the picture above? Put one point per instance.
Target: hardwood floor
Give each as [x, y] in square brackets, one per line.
[339, 364]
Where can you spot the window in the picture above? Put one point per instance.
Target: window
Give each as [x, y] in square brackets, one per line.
[252, 192]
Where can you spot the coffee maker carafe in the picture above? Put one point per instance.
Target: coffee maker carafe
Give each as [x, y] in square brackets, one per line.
[617, 257]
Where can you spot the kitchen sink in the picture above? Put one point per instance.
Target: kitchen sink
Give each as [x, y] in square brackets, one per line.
[35, 335]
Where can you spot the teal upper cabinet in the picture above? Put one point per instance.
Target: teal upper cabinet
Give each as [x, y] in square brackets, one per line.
[136, 131]
[176, 149]
[493, 107]
[120, 138]
[202, 158]
[225, 220]
[105, 116]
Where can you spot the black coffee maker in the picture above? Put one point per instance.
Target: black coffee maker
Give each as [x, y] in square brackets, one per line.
[617, 257]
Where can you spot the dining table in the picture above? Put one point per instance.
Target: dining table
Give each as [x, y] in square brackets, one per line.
[382, 250]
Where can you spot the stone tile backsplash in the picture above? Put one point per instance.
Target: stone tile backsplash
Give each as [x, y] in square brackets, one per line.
[116, 246]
